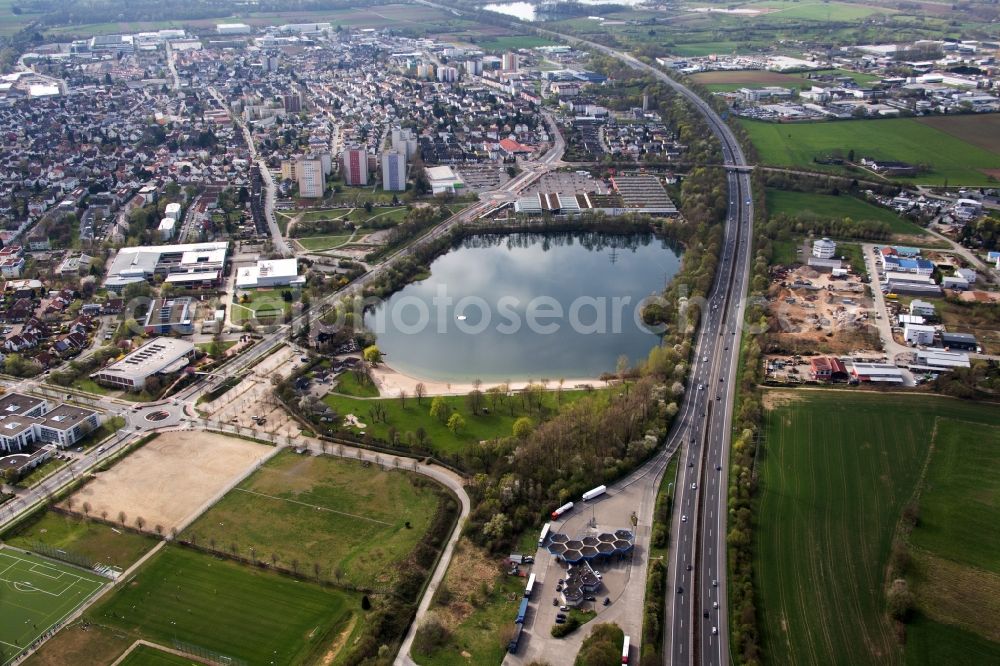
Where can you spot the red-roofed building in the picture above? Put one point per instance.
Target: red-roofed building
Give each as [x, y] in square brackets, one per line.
[827, 369]
[514, 148]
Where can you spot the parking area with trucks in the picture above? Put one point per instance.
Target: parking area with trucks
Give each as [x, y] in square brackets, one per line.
[614, 590]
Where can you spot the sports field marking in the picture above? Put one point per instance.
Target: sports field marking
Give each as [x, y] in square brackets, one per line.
[314, 506]
[37, 568]
[28, 576]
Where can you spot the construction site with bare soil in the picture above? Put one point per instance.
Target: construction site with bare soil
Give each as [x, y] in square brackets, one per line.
[814, 312]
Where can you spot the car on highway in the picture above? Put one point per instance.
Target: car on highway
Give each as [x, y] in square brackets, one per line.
[715, 583]
[715, 604]
[715, 631]
[718, 468]
[694, 486]
[680, 590]
[684, 519]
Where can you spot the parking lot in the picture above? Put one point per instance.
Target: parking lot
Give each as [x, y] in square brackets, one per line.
[568, 182]
[622, 578]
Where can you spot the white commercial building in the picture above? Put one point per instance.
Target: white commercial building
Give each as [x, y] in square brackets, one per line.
[918, 334]
[158, 356]
[188, 264]
[824, 248]
[393, 171]
[25, 420]
[232, 29]
[443, 179]
[270, 273]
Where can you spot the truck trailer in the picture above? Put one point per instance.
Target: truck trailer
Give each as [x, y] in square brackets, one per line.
[594, 492]
[563, 509]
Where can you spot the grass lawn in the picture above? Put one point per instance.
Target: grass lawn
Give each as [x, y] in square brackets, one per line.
[829, 503]
[37, 594]
[143, 655]
[346, 518]
[42, 472]
[413, 415]
[827, 206]
[903, 139]
[88, 385]
[315, 243]
[241, 612]
[91, 539]
[785, 252]
[348, 384]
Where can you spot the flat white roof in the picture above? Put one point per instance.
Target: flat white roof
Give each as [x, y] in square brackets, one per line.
[155, 356]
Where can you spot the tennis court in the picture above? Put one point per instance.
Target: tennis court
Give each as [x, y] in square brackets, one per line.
[35, 595]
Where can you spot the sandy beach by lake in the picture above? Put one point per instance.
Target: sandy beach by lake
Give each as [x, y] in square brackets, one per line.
[390, 382]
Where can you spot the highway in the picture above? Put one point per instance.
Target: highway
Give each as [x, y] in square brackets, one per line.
[697, 566]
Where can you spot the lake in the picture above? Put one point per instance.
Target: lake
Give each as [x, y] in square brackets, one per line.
[526, 306]
[528, 11]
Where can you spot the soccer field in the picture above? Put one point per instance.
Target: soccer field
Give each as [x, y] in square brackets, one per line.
[36, 594]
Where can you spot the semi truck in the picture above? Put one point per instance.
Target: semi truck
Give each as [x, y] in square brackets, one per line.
[625, 650]
[545, 534]
[563, 509]
[512, 645]
[529, 587]
[522, 611]
[594, 492]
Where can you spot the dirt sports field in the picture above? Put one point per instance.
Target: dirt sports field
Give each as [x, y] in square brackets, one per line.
[170, 478]
[979, 129]
[775, 78]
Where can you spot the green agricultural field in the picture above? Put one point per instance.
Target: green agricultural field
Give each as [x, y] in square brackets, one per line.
[413, 415]
[960, 505]
[812, 11]
[827, 206]
[901, 139]
[930, 643]
[512, 43]
[89, 539]
[356, 523]
[143, 655]
[241, 612]
[37, 594]
[860, 78]
[955, 569]
[836, 469]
